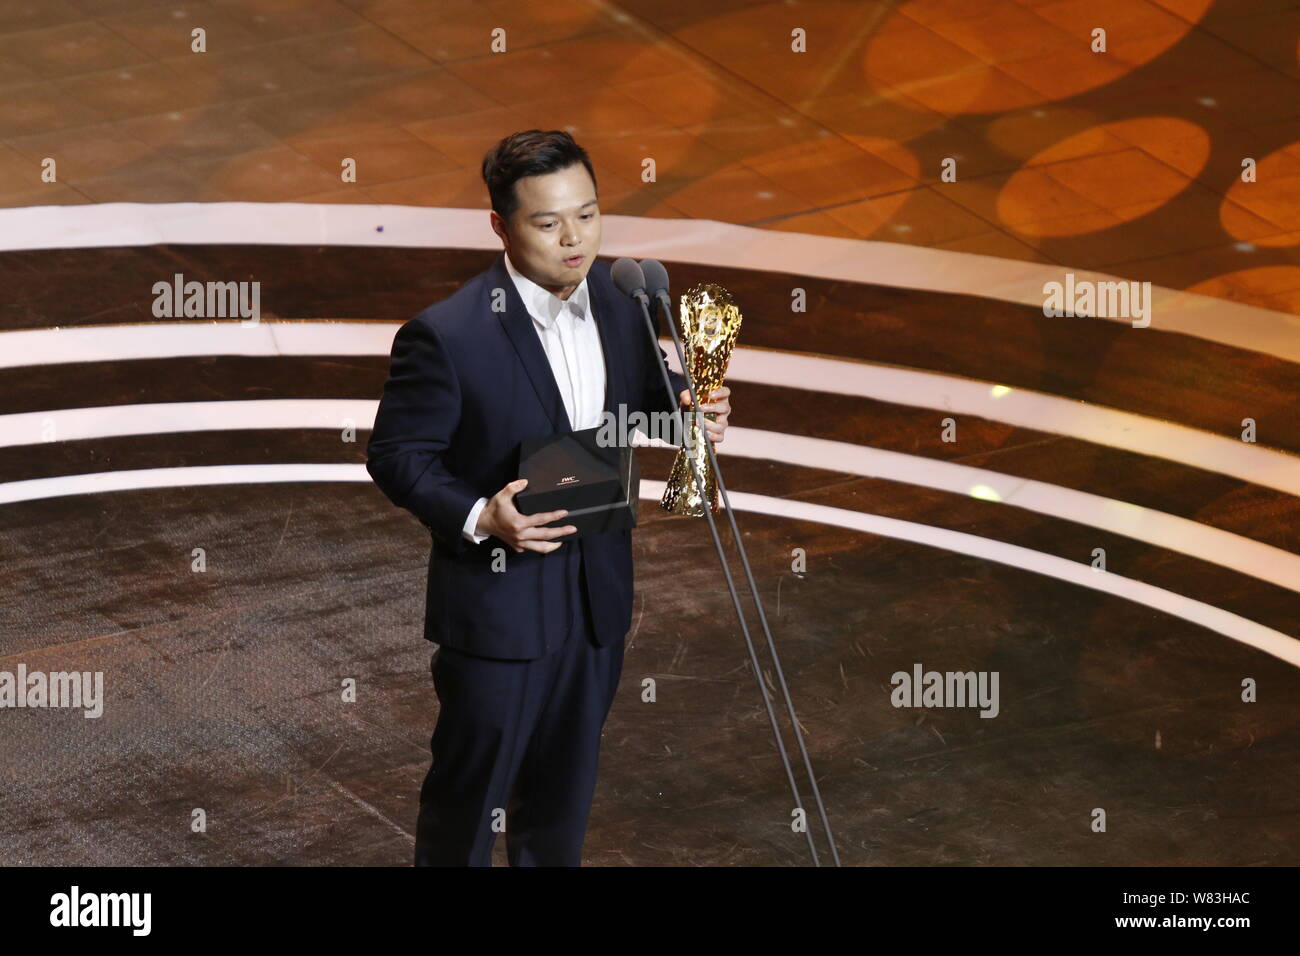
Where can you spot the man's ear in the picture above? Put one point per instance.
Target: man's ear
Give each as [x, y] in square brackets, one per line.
[499, 227]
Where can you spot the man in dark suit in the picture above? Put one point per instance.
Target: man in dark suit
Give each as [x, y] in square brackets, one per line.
[529, 626]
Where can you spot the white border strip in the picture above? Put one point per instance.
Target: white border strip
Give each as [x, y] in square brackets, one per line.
[1230, 625]
[162, 418]
[164, 340]
[1157, 528]
[698, 241]
[1022, 408]
[1279, 645]
[1013, 406]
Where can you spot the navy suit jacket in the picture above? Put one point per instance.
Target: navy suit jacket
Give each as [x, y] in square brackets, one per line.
[467, 383]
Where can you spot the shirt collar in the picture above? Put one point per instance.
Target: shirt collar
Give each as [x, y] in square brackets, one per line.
[543, 305]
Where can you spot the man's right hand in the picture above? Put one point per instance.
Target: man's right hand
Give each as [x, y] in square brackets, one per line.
[522, 532]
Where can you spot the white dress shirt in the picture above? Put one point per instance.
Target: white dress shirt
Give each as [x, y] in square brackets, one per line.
[571, 341]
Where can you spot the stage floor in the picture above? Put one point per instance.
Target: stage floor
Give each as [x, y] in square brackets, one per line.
[224, 688]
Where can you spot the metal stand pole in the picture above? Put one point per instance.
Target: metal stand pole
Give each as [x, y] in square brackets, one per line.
[664, 302]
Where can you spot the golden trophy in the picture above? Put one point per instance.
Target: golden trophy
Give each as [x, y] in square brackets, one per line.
[709, 323]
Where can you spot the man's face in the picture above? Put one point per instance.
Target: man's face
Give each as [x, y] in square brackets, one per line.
[557, 219]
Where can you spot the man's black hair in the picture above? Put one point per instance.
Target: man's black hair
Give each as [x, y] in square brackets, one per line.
[528, 153]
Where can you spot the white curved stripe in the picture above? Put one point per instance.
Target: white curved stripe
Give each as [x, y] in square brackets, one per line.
[1022, 408]
[34, 489]
[1158, 528]
[698, 241]
[173, 339]
[1231, 625]
[1013, 406]
[1148, 525]
[1223, 622]
[115, 421]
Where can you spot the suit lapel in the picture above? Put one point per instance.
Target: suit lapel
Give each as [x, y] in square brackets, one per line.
[518, 325]
[611, 343]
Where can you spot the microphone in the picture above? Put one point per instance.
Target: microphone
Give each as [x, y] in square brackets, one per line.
[656, 280]
[629, 280]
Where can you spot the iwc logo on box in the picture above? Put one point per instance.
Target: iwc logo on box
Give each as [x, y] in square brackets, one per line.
[598, 485]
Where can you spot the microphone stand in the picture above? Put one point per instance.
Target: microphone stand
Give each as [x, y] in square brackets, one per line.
[661, 297]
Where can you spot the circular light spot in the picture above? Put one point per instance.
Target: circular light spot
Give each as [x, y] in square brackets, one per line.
[1103, 176]
[1015, 58]
[1265, 211]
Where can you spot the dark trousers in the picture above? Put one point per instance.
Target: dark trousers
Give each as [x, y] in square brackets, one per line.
[516, 748]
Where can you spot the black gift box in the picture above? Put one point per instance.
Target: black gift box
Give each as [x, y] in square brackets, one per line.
[598, 486]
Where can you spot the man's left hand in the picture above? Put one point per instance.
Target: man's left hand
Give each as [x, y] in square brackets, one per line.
[718, 402]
